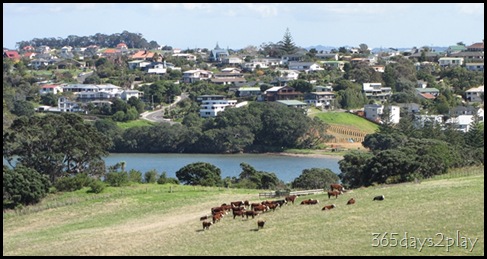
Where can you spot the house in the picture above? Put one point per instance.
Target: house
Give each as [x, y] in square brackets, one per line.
[428, 90]
[410, 108]
[463, 122]
[90, 92]
[375, 113]
[463, 110]
[143, 55]
[12, 54]
[475, 66]
[185, 56]
[231, 60]
[285, 59]
[450, 62]
[50, 88]
[327, 56]
[211, 107]
[295, 104]
[320, 99]
[225, 78]
[156, 68]
[339, 65]
[375, 91]
[282, 93]
[127, 94]
[217, 54]
[475, 94]
[248, 91]
[191, 76]
[304, 66]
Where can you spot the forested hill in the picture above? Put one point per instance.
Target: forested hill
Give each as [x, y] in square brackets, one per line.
[133, 40]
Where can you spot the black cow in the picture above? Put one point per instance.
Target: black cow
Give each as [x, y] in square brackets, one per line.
[379, 198]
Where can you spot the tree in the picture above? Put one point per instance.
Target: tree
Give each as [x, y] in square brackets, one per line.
[56, 145]
[23, 186]
[287, 45]
[200, 173]
[315, 178]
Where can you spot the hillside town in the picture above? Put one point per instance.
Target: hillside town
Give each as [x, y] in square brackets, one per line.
[85, 79]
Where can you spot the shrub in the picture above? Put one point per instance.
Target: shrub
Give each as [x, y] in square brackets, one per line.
[23, 186]
[97, 186]
[117, 179]
[150, 176]
[135, 176]
[69, 184]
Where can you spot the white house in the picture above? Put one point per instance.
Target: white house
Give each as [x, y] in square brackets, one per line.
[375, 91]
[191, 76]
[211, 108]
[475, 94]
[450, 62]
[50, 88]
[304, 66]
[375, 112]
[475, 66]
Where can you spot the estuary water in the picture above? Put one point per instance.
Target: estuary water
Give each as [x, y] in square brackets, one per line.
[287, 168]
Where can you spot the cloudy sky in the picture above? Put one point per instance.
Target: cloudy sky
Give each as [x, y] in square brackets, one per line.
[238, 25]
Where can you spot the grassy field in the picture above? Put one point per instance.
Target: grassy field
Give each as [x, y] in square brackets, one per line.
[347, 119]
[440, 216]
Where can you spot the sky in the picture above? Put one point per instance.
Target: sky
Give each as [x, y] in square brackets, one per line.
[239, 25]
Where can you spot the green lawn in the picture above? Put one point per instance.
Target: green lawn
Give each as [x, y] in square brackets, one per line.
[443, 216]
[347, 119]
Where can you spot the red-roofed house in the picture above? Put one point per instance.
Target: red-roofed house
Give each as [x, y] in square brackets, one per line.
[12, 54]
[427, 96]
[29, 55]
[143, 55]
[479, 46]
[50, 88]
[122, 46]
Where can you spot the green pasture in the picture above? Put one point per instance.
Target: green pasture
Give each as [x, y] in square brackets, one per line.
[347, 119]
[439, 216]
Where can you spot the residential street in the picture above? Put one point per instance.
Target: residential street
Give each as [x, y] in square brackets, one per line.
[158, 114]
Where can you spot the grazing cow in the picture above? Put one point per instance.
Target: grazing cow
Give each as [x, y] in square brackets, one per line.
[261, 207]
[260, 224]
[217, 217]
[272, 206]
[251, 213]
[309, 202]
[215, 210]
[238, 213]
[379, 198]
[253, 205]
[351, 201]
[280, 202]
[291, 198]
[237, 203]
[205, 217]
[329, 207]
[246, 203]
[206, 225]
[334, 193]
[337, 186]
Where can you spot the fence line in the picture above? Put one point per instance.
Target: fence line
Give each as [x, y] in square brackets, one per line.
[281, 194]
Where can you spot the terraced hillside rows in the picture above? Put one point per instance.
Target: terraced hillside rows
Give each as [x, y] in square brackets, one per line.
[345, 134]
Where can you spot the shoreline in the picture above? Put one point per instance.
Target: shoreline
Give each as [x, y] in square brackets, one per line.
[313, 155]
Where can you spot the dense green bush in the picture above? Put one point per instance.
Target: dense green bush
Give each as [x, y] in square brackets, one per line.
[97, 186]
[69, 184]
[117, 179]
[23, 186]
[150, 176]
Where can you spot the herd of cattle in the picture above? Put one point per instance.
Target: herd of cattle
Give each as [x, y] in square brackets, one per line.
[245, 209]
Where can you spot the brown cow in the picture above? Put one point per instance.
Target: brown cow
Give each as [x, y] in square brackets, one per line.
[205, 217]
[329, 207]
[206, 225]
[251, 213]
[291, 198]
[217, 217]
[237, 203]
[309, 202]
[334, 193]
[238, 213]
[337, 186]
[351, 201]
[260, 224]
[261, 207]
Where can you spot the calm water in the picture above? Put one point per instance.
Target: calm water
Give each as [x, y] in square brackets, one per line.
[287, 168]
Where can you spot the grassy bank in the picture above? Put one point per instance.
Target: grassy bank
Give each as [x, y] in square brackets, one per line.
[164, 220]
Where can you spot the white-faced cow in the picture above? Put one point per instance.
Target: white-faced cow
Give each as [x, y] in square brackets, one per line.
[334, 193]
[291, 198]
[337, 186]
[206, 225]
[329, 207]
[379, 198]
